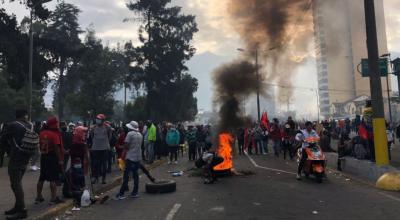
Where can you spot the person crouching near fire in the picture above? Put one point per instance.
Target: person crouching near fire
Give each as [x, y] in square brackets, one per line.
[208, 161]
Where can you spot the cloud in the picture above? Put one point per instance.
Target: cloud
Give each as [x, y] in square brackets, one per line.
[392, 17]
[216, 33]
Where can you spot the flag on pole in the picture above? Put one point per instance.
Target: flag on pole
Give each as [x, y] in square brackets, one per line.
[362, 131]
[264, 121]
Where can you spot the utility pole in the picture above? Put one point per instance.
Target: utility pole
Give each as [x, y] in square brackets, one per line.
[258, 88]
[318, 106]
[379, 125]
[30, 62]
[389, 102]
[124, 118]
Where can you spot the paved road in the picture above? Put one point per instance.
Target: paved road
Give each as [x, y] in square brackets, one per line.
[268, 194]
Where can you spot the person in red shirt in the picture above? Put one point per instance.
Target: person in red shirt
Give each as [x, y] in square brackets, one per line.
[51, 161]
[79, 148]
[276, 136]
[119, 147]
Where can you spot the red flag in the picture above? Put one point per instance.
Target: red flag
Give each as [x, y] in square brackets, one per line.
[264, 121]
[362, 131]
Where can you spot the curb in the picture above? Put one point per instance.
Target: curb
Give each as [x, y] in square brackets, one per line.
[68, 204]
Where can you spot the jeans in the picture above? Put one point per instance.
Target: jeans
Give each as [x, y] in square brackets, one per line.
[130, 167]
[264, 143]
[110, 160]
[288, 148]
[302, 161]
[99, 162]
[192, 151]
[200, 148]
[36, 156]
[150, 151]
[277, 147]
[16, 175]
[240, 146]
[173, 153]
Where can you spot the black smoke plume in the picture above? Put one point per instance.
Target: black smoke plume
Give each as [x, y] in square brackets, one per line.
[232, 82]
[281, 32]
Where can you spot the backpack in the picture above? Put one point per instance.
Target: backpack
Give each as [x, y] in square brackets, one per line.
[360, 152]
[30, 141]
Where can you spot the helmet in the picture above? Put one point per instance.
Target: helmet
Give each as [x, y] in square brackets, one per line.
[101, 116]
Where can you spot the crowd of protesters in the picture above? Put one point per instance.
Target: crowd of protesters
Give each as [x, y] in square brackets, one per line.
[67, 152]
[352, 137]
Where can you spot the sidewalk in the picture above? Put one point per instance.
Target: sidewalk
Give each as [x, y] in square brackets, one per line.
[29, 183]
[395, 162]
[365, 169]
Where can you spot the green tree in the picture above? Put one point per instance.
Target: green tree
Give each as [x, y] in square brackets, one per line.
[166, 36]
[64, 46]
[136, 110]
[14, 65]
[94, 79]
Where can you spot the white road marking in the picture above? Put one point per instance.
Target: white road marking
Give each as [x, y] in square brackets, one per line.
[390, 197]
[271, 169]
[267, 168]
[218, 209]
[173, 211]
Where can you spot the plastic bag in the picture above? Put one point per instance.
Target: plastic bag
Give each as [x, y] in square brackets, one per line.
[85, 199]
[121, 164]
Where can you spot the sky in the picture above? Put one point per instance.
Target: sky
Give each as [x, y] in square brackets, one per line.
[216, 42]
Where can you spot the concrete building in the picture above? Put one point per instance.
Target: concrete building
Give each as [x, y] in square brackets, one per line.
[340, 44]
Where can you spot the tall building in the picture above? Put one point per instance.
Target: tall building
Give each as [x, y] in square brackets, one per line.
[340, 44]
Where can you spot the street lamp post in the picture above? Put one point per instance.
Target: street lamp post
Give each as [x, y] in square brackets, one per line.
[258, 79]
[32, 7]
[30, 61]
[258, 88]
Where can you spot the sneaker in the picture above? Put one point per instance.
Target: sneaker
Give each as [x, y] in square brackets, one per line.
[298, 177]
[56, 201]
[18, 215]
[134, 195]
[169, 162]
[11, 211]
[175, 162]
[39, 200]
[34, 168]
[76, 209]
[120, 196]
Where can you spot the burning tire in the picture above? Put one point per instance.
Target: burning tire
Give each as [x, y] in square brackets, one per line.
[161, 186]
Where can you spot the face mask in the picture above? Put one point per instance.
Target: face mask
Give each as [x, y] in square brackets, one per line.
[98, 121]
[78, 166]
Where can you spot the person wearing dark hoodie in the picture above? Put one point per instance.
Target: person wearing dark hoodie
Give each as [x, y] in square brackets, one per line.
[75, 182]
[19, 160]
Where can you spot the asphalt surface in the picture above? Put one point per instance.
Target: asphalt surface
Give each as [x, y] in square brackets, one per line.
[268, 194]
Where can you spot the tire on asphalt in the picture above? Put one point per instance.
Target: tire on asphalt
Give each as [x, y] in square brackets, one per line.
[161, 186]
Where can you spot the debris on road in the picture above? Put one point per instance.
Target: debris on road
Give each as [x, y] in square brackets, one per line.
[176, 174]
[218, 209]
